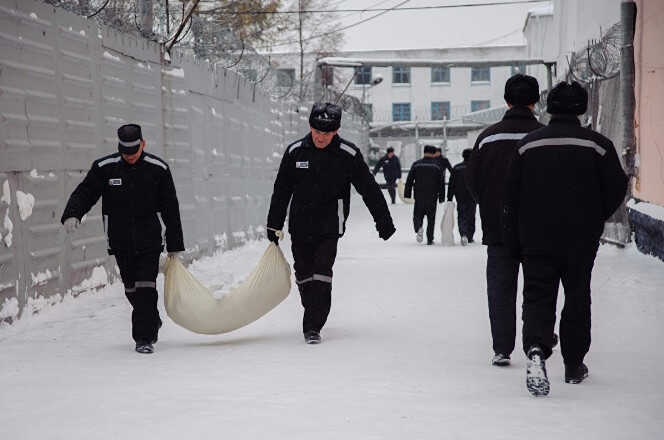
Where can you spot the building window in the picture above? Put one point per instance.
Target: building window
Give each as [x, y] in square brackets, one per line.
[479, 105]
[327, 76]
[518, 68]
[363, 75]
[440, 74]
[440, 110]
[480, 74]
[401, 75]
[285, 77]
[401, 112]
[368, 111]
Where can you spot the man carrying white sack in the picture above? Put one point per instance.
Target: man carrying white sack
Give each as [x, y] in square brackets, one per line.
[317, 171]
[138, 195]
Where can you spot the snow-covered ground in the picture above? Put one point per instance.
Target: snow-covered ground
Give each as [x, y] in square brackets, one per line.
[405, 355]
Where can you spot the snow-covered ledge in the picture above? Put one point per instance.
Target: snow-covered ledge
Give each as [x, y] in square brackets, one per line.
[647, 221]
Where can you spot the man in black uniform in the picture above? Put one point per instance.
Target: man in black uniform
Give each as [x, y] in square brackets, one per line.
[466, 206]
[564, 183]
[391, 170]
[427, 178]
[444, 164]
[486, 176]
[138, 196]
[317, 171]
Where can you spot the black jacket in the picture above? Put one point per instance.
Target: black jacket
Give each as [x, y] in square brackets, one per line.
[427, 178]
[458, 187]
[391, 168]
[134, 197]
[318, 180]
[486, 174]
[565, 182]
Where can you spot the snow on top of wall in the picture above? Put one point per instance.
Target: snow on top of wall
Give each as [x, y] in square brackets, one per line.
[9, 309]
[649, 209]
[98, 278]
[41, 277]
[176, 72]
[6, 193]
[9, 227]
[110, 56]
[26, 202]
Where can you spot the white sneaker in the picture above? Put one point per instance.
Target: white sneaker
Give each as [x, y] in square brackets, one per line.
[420, 235]
[464, 240]
[537, 381]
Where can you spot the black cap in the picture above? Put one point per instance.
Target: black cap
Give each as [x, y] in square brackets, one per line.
[567, 99]
[325, 116]
[129, 138]
[466, 153]
[390, 150]
[521, 90]
[429, 149]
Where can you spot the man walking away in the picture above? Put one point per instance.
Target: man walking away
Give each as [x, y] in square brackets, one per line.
[466, 206]
[565, 182]
[138, 196]
[486, 176]
[391, 170]
[427, 178]
[316, 173]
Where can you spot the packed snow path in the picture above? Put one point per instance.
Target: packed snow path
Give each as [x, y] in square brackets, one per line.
[405, 355]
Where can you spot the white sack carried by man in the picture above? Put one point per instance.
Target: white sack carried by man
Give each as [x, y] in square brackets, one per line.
[447, 224]
[193, 306]
[401, 189]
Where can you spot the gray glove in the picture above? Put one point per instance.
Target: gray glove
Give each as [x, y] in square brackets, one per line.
[71, 224]
[174, 254]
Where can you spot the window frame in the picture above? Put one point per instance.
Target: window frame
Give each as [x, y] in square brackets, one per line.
[473, 70]
[444, 104]
[361, 72]
[473, 101]
[449, 75]
[403, 105]
[403, 70]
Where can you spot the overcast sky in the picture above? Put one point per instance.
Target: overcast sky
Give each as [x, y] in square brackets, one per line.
[433, 28]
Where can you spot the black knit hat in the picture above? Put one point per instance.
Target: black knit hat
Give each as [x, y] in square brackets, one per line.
[325, 116]
[567, 99]
[429, 149]
[521, 90]
[390, 150]
[129, 138]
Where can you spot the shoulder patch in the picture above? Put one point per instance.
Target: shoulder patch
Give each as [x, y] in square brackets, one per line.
[155, 161]
[109, 161]
[347, 149]
[294, 146]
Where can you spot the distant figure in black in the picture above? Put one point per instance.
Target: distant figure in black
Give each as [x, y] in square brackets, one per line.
[444, 165]
[391, 170]
[466, 206]
[427, 178]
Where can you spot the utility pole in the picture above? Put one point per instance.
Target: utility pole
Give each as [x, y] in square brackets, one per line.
[299, 29]
[147, 16]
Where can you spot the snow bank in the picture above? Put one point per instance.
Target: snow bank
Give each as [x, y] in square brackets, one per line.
[110, 56]
[26, 202]
[649, 209]
[9, 309]
[9, 227]
[6, 193]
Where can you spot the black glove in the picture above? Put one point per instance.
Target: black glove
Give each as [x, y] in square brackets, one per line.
[272, 236]
[385, 231]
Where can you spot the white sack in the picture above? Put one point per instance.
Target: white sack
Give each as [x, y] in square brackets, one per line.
[447, 224]
[401, 190]
[192, 305]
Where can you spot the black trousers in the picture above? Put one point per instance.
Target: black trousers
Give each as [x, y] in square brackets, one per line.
[313, 273]
[425, 208]
[542, 275]
[502, 273]
[391, 185]
[466, 215]
[139, 275]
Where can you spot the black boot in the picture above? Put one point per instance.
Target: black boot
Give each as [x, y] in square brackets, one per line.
[537, 381]
[144, 347]
[576, 374]
[312, 337]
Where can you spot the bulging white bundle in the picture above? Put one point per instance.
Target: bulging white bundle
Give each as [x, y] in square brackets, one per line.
[401, 189]
[193, 306]
[447, 224]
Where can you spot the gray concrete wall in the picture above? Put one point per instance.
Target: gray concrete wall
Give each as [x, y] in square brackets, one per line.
[65, 87]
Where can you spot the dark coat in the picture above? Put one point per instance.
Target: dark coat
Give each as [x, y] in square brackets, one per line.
[564, 183]
[486, 173]
[426, 177]
[318, 180]
[135, 200]
[391, 168]
[457, 187]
